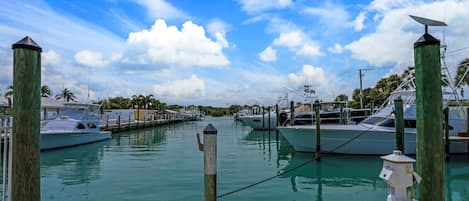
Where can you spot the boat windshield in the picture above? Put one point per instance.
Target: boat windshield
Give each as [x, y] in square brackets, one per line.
[74, 113]
[388, 122]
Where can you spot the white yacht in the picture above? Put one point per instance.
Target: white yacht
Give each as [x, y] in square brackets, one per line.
[260, 122]
[376, 134]
[75, 124]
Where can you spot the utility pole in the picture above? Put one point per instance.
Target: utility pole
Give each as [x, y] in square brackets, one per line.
[361, 74]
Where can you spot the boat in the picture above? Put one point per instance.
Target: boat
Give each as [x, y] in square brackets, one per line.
[376, 134]
[76, 124]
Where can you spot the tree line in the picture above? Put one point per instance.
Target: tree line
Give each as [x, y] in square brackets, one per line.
[378, 94]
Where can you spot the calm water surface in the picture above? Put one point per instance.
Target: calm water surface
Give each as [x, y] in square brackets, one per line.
[164, 164]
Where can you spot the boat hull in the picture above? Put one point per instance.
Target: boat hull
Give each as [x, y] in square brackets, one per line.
[258, 123]
[353, 139]
[60, 140]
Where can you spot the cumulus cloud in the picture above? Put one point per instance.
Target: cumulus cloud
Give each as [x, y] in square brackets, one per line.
[163, 44]
[298, 42]
[359, 21]
[218, 28]
[161, 9]
[337, 48]
[268, 55]
[50, 58]
[191, 87]
[308, 75]
[91, 59]
[396, 32]
[255, 6]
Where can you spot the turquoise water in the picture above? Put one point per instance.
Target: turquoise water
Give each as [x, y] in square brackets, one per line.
[164, 164]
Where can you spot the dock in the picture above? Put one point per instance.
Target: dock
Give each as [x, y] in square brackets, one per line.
[126, 126]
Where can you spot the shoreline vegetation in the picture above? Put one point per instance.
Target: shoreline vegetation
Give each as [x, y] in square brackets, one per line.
[375, 95]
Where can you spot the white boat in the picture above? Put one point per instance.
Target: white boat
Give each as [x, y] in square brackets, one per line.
[376, 134]
[260, 122]
[76, 124]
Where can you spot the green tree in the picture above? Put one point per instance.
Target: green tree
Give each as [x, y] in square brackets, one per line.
[45, 91]
[341, 97]
[462, 67]
[66, 95]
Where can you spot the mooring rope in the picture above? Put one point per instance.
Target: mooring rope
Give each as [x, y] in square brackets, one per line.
[301, 165]
[264, 180]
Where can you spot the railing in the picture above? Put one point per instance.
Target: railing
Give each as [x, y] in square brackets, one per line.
[6, 123]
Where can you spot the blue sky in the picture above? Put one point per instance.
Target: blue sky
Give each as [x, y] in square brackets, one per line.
[222, 52]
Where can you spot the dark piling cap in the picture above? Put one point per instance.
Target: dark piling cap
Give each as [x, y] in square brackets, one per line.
[398, 99]
[210, 129]
[27, 43]
[426, 39]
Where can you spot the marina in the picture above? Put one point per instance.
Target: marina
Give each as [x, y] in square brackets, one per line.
[161, 100]
[164, 163]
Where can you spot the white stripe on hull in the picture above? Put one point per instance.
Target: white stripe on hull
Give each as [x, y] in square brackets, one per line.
[371, 142]
[59, 140]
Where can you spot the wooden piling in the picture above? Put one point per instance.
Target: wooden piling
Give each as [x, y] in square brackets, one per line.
[277, 123]
[341, 114]
[430, 153]
[119, 122]
[210, 162]
[268, 118]
[446, 129]
[292, 112]
[263, 117]
[399, 124]
[26, 183]
[317, 108]
[467, 129]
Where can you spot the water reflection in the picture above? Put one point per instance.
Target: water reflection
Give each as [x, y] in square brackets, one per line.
[75, 165]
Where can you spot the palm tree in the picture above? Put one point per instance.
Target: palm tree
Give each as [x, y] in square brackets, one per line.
[462, 67]
[66, 95]
[148, 100]
[9, 94]
[45, 91]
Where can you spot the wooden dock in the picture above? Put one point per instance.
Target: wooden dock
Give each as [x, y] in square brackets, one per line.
[126, 126]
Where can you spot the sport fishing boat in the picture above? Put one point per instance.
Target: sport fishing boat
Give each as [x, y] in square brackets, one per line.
[76, 124]
[376, 134]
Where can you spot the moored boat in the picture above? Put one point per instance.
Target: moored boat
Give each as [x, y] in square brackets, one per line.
[76, 124]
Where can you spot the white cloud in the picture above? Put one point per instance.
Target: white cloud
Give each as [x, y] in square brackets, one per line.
[254, 6]
[161, 9]
[90, 59]
[396, 32]
[329, 14]
[309, 75]
[298, 42]
[218, 28]
[191, 87]
[269, 54]
[337, 48]
[163, 44]
[50, 58]
[359, 21]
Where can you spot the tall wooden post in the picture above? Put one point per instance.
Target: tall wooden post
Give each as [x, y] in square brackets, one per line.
[268, 118]
[341, 114]
[292, 113]
[446, 115]
[372, 110]
[430, 154]
[467, 129]
[263, 118]
[277, 115]
[210, 162]
[399, 124]
[26, 183]
[317, 108]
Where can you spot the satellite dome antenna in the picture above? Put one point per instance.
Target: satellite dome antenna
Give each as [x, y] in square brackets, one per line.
[426, 38]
